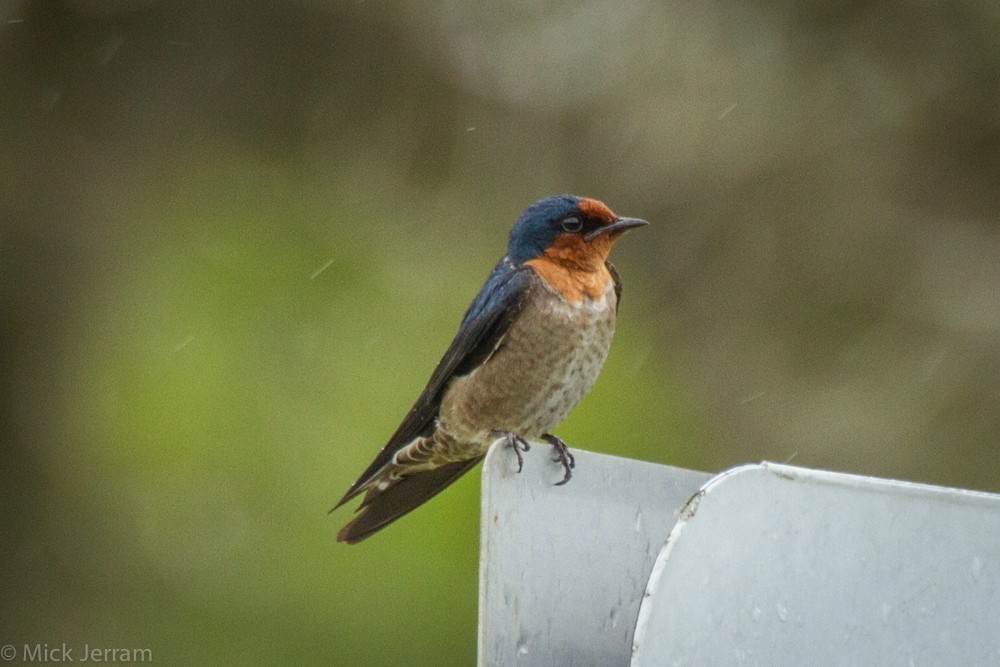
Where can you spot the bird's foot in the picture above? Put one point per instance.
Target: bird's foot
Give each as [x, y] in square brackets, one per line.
[515, 442]
[563, 456]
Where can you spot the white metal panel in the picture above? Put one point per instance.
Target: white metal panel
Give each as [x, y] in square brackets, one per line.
[774, 565]
[563, 568]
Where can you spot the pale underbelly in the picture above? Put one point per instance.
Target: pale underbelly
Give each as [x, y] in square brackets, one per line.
[544, 366]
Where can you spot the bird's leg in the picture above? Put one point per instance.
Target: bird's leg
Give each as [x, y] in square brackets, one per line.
[515, 442]
[563, 455]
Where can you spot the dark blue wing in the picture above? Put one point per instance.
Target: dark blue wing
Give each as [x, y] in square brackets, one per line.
[485, 322]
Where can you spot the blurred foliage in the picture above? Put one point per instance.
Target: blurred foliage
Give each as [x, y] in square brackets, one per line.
[236, 237]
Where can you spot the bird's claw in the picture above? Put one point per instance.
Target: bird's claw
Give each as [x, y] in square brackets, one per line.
[563, 456]
[517, 443]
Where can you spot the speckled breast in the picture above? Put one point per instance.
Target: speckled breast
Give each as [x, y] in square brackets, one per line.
[543, 367]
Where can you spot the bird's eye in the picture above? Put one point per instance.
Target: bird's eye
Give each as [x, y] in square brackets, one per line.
[572, 224]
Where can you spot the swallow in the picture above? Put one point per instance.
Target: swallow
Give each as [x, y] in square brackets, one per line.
[529, 348]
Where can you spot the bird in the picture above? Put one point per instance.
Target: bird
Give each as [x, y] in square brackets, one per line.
[528, 349]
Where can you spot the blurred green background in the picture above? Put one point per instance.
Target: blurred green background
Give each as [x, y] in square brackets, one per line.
[236, 238]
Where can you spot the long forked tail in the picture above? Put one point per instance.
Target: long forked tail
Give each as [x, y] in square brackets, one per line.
[380, 508]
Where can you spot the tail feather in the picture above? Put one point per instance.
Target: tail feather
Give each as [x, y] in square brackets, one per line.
[380, 508]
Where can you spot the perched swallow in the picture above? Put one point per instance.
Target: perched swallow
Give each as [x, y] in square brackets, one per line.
[529, 348]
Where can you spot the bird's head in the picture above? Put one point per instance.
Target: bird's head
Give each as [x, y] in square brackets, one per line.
[573, 231]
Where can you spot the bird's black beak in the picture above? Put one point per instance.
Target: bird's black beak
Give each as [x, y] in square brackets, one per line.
[616, 227]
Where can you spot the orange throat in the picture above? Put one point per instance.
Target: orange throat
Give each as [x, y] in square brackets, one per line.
[575, 268]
